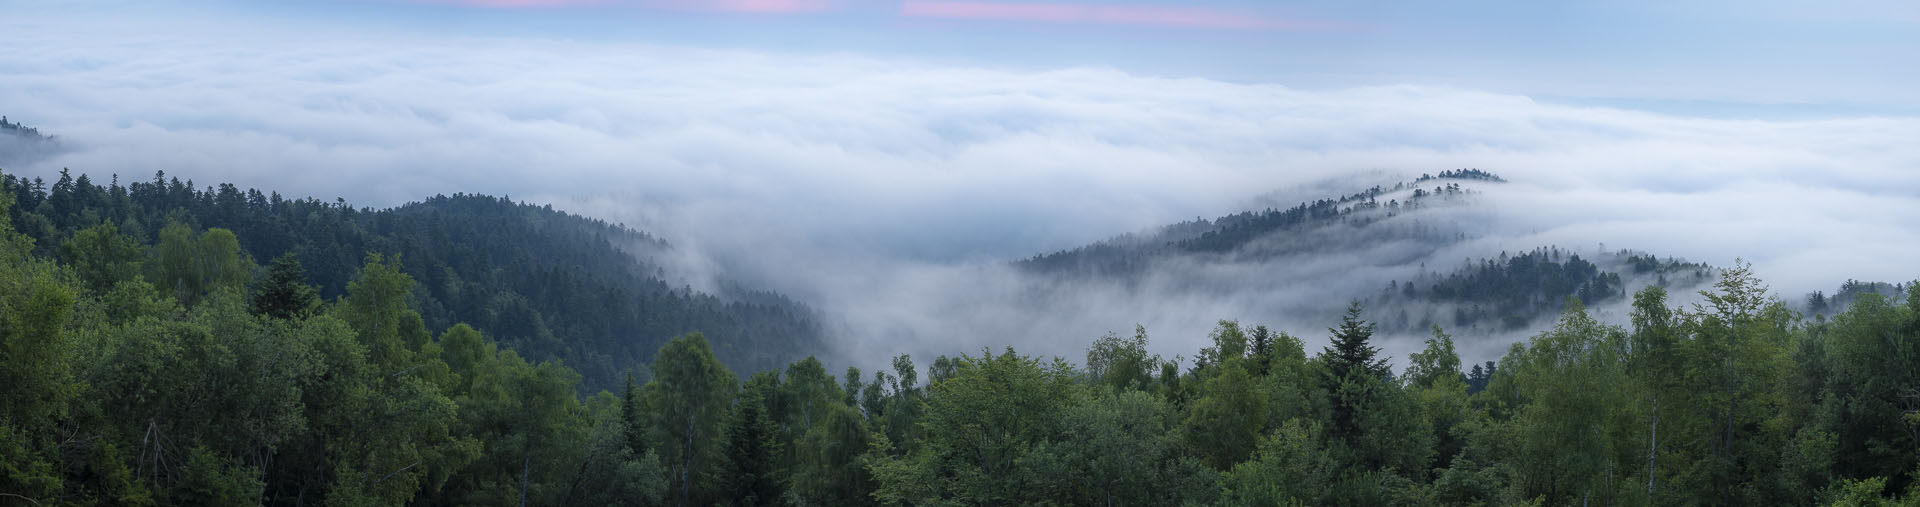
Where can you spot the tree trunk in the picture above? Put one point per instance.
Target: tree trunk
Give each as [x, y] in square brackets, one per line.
[526, 472]
[686, 465]
[1726, 445]
[1653, 444]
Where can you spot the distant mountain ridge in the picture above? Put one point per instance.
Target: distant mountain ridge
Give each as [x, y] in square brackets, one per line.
[21, 144]
[1127, 254]
[1386, 228]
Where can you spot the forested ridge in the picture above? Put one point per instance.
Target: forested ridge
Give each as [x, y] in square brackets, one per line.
[1511, 292]
[8, 127]
[1130, 255]
[20, 143]
[178, 374]
[548, 284]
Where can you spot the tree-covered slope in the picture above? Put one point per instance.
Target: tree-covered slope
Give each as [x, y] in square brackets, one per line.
[549, 284]
[20, 143]
[178, 373]
[1403, 235]
[1512, 292]
[1252, 235]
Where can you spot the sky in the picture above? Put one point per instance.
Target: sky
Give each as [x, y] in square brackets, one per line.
[858, 153]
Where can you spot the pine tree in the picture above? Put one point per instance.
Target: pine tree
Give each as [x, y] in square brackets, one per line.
[749, 478]
[1353, 374]
[1350, 353]
[285, 294]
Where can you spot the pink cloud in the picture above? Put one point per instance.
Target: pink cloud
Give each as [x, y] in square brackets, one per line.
[1167, 16]
[1007, 11]
[740, 6]
[518, 4]
[745, 6]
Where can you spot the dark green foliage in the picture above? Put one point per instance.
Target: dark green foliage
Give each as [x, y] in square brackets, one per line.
[195, 391]
[1461, 174]
[753, 448]
[1353, 375]
[1122, 363]
[101, 256]
[687, 406]
[828, 466]
[284, 293]
[209, 480]
[1505, 293]
[548, 284]
[17, 129]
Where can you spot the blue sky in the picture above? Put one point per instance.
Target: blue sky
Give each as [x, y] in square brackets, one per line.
[1723, 58]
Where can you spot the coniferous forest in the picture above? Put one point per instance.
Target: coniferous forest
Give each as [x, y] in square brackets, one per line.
[169, 368]
[527, 275]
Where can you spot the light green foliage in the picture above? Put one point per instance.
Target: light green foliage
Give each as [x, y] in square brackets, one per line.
[904, 405]
[1438, 363]
[609, 474]
[530, 426]
[25, 467]
[1229, 345]
[1122, 363]
[1873, 391]
[1119, 448]
[101, 256]
[981, 425]
[1293, 384]
[1224, 425]
[1571, 433]
[1737, 355]
[807, 392]
[1870, 492]
[209, 480]
[190, 266]
[35, 304]
[687, 403]
[828, 469]
[1291, 467]
[376, 307]
[180, 387]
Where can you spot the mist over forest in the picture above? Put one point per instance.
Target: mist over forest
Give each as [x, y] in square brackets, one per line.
[930, 252]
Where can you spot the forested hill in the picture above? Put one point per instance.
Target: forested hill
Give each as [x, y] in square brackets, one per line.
[1511, 292]
[8, 127]
[548, 284]
[20, 143]
[1251, 235]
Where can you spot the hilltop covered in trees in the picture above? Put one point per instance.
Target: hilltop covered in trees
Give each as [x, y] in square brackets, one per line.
[1401, 228]
[1247, 235]
[8, 127]
[1510, 292]
[175, 375]
[20, 143]
[548, 284]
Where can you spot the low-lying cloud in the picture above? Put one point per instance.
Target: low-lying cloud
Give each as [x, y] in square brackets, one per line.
[886, 192]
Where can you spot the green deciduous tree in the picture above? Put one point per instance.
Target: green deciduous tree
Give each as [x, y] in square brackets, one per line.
[688, 401]
[981, 424]
[1122, 363]
[101, 256]
[1226, 422]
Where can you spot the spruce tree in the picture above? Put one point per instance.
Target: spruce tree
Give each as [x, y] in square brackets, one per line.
[285, 294]
[749, 477]
[1350, 353]
[1353, 374]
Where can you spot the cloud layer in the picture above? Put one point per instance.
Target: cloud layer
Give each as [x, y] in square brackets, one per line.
[885, 190]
